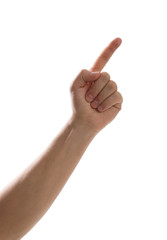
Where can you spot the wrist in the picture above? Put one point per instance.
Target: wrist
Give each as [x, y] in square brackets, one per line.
[84, 128]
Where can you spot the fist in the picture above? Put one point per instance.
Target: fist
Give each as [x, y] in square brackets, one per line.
[103, 95]
[95, 99]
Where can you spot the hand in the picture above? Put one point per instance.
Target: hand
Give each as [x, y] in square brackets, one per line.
[100, 109]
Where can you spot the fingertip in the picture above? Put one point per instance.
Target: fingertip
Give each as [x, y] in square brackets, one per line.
[115, 43]
[118, 41]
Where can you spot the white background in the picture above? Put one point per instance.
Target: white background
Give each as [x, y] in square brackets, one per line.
[119, 188]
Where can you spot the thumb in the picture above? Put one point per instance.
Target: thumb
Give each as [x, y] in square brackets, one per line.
[84, 78]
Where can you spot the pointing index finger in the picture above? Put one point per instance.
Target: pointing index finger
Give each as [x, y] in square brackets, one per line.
[104, 57]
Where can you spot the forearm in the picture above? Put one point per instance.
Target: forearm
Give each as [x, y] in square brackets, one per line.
[26, 199]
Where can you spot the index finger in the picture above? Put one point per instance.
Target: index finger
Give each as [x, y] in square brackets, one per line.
[106, 55]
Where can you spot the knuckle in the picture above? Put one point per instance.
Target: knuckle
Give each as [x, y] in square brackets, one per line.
[114, 85]
[122, 99]
[118, 106]
[109, 87]
[105, 75]
[83, 71]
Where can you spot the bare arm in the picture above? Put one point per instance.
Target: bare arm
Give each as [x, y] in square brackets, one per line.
[24, 201]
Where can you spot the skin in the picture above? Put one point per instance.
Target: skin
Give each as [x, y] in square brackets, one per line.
[28, 197]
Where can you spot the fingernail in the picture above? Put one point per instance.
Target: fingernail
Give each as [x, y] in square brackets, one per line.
[89, 97]
[100, 108]
[94, 104]
[93, 73]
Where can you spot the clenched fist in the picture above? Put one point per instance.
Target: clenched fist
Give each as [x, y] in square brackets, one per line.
[95, 97]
